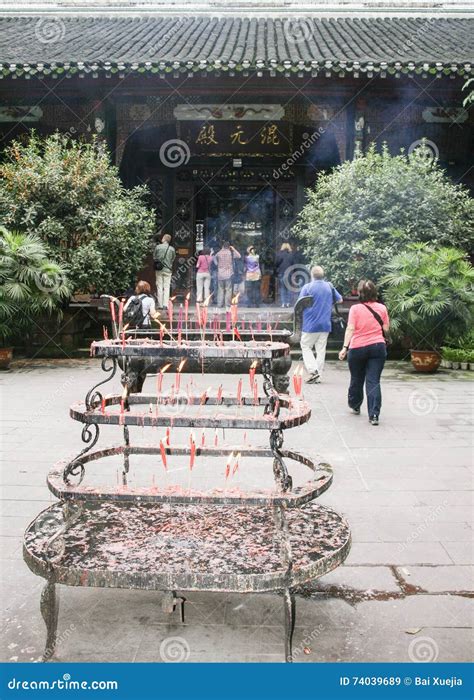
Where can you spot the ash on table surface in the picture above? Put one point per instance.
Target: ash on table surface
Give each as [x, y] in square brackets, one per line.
[164, 538]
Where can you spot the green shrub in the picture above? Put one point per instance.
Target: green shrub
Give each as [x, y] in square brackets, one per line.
[430, 295]
[365, 211]
[31, 284]
[68, 193]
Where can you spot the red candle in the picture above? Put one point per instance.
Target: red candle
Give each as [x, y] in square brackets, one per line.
[178, 374]
[227, 466]
[159, 386]
[163, 454]
[170, 314]
[168, 437]
[162, 331]
[227, 321]
[239, 391]
[192, 451]
[120, 317]
[112, 311]
[255, 392]
[237, 463]
[180, 317]
[252, 371]
[215, 437]
[203, 438]
[219, 394]
[103, 405]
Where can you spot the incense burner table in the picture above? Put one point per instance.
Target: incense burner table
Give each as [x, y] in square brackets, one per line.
[150, 547]
[135, 368]
[173, 538]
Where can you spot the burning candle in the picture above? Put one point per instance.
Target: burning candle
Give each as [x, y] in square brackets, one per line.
[163, 454]
[178, 374]
[159, 386]
[192, 450]
[237, 463]
[228, 464]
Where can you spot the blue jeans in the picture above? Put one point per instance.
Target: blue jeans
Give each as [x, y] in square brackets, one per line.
[285, 293]
[366, 365]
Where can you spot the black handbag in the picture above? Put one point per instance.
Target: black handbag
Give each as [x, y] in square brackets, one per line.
[159, 264]
[386, 336]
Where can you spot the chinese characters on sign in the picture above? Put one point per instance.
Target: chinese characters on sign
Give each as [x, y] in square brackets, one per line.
[233, 137]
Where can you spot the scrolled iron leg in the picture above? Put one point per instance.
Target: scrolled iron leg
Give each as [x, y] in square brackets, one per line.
[49, 607]
[289, 607]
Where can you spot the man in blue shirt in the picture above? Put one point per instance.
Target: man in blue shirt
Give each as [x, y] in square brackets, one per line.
[317, 323]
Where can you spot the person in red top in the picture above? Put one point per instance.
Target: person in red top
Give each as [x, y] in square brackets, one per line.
[365, 347]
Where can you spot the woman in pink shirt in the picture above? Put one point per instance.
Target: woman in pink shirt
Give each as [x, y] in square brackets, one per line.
[203, 275]
[364, 343]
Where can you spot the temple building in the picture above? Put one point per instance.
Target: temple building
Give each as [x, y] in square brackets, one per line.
[228, 111]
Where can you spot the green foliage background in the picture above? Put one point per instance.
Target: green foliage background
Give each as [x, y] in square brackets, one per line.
[68, 193]
[362, 213]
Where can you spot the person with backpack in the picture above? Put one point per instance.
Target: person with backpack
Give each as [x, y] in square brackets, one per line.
[140, 307]
[224, 260]
[163, 257]
[366, 349]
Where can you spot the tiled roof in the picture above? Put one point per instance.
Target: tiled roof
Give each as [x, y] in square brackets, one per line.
[76, 44]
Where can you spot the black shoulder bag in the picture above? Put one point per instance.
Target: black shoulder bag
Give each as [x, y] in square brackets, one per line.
[160, 264]
[386, 337]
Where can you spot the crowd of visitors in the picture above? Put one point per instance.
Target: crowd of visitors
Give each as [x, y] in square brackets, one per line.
[225, 273]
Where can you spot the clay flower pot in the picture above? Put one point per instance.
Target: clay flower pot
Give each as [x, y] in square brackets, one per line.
[425, 360]
[5, 357]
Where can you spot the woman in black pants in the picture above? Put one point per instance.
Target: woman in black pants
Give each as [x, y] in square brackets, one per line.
[364, 344]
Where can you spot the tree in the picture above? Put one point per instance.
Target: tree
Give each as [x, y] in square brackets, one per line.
[68, 193]
[363, 212]
[30, 284]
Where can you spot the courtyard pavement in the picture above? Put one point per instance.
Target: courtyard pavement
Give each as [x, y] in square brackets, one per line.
[405, 487]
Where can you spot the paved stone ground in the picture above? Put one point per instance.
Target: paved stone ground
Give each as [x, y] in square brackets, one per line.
[405, 488]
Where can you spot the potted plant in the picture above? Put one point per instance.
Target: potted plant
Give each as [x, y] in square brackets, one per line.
[31, 285]
[430, 297]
